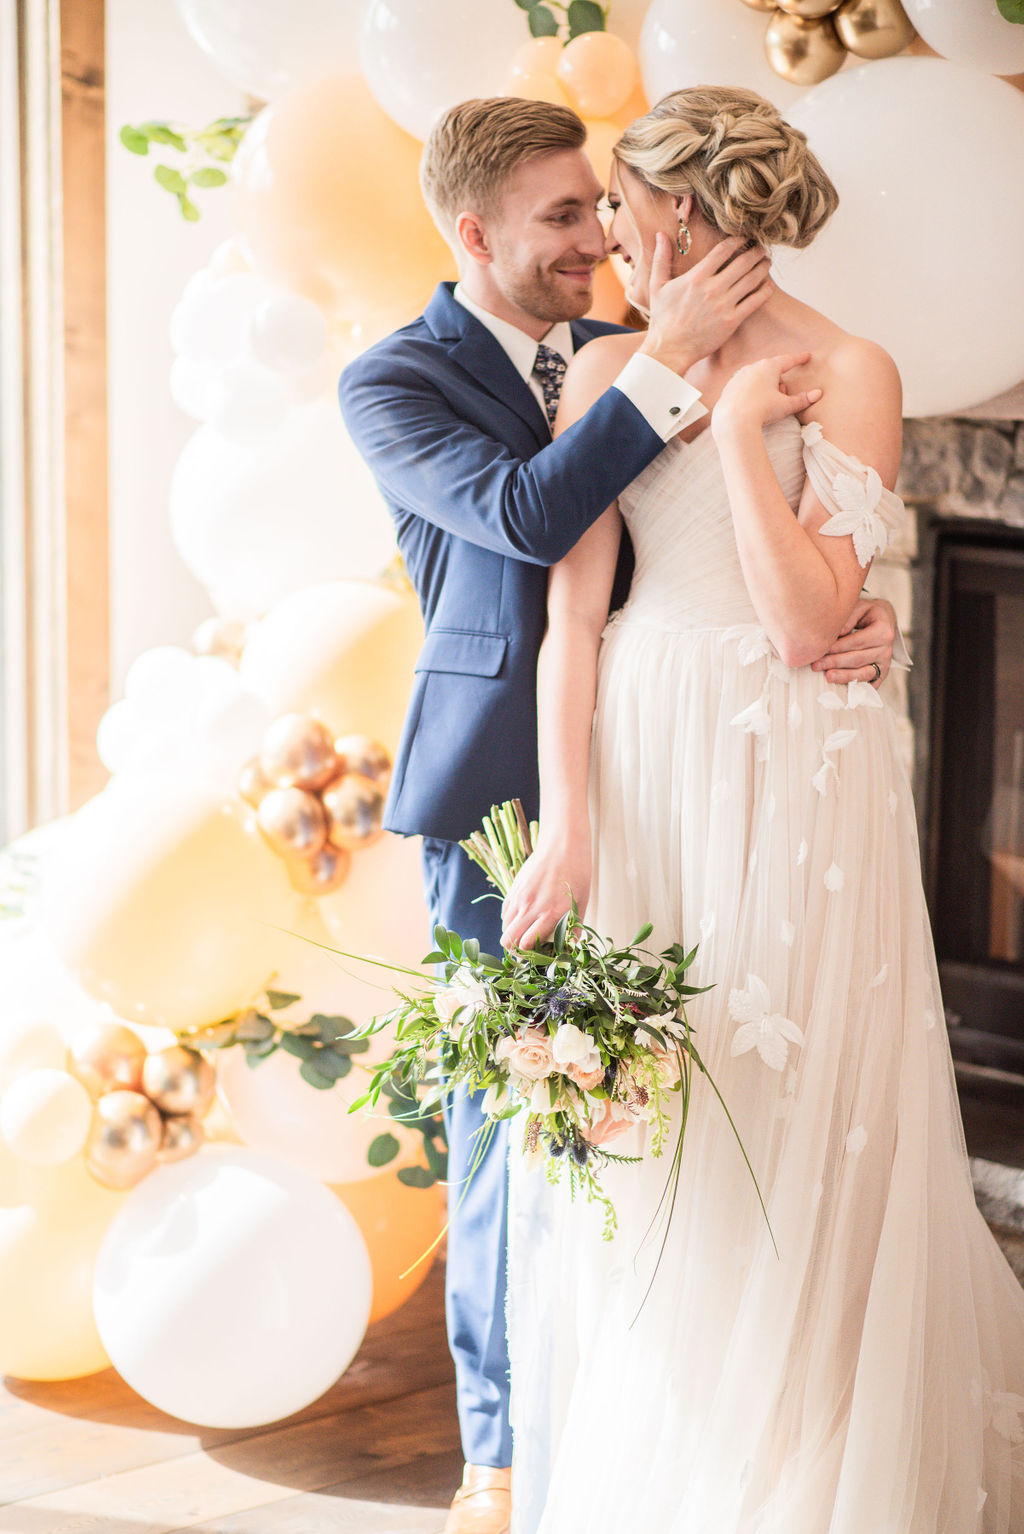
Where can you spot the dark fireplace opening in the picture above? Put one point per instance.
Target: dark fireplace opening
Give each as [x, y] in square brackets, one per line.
[974, 815]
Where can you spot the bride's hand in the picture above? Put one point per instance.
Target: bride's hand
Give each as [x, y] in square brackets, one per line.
[759, 394]
[540, 894]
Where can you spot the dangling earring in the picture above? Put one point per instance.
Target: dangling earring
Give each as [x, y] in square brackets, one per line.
[683, 240]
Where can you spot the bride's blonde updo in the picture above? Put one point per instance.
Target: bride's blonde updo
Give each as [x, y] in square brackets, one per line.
[749, 171]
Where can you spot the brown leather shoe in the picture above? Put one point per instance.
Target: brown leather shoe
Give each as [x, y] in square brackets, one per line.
[483, 1503]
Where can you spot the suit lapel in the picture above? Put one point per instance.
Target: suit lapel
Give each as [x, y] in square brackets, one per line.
[476, 351]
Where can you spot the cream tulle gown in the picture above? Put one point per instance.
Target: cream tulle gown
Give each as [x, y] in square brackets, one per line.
[870, 1378]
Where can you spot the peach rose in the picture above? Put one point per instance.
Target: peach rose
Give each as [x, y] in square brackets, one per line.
[529, 1056]
[585, 1079]
[614, 1121]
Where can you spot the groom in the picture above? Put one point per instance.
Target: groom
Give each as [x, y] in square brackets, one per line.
[453, 414]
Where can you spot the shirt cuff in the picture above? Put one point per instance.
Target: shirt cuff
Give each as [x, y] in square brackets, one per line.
[666, 402]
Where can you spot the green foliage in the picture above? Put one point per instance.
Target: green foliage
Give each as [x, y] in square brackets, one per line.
[574, 18]
[205, 152]
[1012, 10]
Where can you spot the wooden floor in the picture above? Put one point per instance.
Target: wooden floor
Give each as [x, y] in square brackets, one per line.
[378, 1454]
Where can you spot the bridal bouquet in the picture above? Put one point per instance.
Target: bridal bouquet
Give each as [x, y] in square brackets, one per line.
[578, 1038]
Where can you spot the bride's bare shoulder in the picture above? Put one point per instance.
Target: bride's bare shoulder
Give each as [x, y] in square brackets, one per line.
[595, 367]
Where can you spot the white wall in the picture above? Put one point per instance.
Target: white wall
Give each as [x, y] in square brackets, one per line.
[154, 70]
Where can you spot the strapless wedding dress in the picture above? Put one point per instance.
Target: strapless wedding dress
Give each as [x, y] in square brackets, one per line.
[869, 1378]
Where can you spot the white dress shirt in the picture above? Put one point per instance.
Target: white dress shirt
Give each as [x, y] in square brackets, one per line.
[664, 399]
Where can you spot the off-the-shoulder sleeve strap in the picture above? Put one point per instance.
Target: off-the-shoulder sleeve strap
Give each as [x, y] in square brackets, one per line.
[858, 503]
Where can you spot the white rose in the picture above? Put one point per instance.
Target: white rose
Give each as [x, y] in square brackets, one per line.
[464, 994]
[496, 1099]
[572, 1047]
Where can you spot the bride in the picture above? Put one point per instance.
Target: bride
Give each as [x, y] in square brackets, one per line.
[868, 1378]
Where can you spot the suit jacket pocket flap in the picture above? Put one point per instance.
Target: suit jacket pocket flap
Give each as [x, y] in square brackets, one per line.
[464, 651]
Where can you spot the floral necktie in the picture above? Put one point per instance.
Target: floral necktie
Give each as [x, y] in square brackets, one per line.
[550, 368]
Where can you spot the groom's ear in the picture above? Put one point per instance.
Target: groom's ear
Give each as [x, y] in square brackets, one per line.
[472, 238]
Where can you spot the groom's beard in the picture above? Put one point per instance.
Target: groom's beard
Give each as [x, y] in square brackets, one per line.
[551, 293]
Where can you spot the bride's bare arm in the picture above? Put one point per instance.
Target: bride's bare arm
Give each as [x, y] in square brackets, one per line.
[579, 591]
[803, 585]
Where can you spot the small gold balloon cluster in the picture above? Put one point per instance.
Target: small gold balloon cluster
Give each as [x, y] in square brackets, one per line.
[317, 799]
[148, 1107]
[808, 40]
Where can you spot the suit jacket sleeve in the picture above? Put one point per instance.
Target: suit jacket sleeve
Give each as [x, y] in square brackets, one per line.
[429, 460]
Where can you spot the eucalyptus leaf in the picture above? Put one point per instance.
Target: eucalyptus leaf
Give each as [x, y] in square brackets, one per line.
[437, 1160]
[276, 1000]
[163, 133]
[295, 1044]
[189, 211]
[542, 22]
[254, 1027]
[382, 1150]
[210, 175]
[170, 178]
[310, 1074]
[134, 139]
[585, 16]
[1012, 10]
[416, 1177]
[329, 1063]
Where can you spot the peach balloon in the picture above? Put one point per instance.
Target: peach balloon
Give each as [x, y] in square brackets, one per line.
[399, 1226]
[539, 56]
[636, 106]
[48, 1245]
[602, 136]
[164, 901]
[538, 86]
[343, 650]
[326, 195]
[599, 72]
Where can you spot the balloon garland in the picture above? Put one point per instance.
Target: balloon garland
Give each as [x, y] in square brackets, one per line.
[808, 40]
[317, 799]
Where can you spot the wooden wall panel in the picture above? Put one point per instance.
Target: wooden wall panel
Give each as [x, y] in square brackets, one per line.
[83, 153]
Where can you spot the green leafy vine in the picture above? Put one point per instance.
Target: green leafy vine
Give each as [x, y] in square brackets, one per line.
[205, 152]
[577, 17]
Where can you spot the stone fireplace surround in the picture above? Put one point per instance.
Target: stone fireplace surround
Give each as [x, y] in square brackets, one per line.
[963, 470]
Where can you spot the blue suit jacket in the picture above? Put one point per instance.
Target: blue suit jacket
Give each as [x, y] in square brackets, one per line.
[483, 502]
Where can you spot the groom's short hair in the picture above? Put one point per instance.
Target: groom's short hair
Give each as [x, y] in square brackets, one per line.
[475, 147]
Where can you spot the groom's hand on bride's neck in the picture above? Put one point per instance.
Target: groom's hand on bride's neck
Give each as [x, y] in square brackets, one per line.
[694, 314]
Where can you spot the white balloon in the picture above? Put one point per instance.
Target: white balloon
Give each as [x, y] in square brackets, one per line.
[29, 1043]
[211, 320]
[255, 524]
[288, 333]
[45, 1116]
[892, 136]
[974, 34]
[708, 42]
[232, 1289]
[421, 57]
[182, 715]
[190, 386]
[273, 1109]
[625, 18]
[266, 47]
[246, 400]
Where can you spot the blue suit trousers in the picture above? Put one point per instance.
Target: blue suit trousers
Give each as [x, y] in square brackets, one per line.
[477, 1235]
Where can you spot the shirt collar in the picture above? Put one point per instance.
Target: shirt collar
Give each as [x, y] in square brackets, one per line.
[520, 348]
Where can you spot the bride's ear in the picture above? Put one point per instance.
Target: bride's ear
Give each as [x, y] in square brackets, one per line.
[684, 207]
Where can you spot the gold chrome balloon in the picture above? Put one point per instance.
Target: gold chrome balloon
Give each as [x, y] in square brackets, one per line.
[355, 812]
[298, 752]
[803, 52]
[874, 29]
[179, 1080]
[252, 783]
[182, 1137]
[293, 822]
[760, 5]
[223, 638]
[366, 757]
[326, 871]
[105, 1057]
[808, 9]
[124, 1139]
